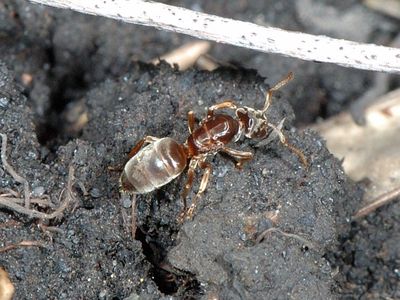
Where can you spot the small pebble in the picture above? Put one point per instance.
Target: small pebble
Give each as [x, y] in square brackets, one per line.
[133, 296]
[75, 240]
[95, 193]
[38, 191]
[3, 102]
[64, 267]
[32, 155]
[126, 201]
[264, 172]
[326, 268]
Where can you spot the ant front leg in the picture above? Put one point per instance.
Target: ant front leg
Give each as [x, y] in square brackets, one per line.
[292, 148]
[203, 185]
[240, 156]
[226, 104]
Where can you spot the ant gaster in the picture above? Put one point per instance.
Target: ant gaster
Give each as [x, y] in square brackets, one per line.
[164, 159]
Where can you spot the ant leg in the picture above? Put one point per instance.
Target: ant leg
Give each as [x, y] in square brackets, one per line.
[189, 182]
[203, 184]
[292, 148]
[273, 89]
[191, 121]
[226, 104]
[272, 136]
[240, 156]
[147, 140]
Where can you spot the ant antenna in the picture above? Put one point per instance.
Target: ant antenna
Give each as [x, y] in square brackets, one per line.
[277, 86]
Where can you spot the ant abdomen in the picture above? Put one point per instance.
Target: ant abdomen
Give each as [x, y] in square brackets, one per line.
[153, 166]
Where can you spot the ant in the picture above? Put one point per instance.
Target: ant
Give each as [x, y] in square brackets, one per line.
[164, 159]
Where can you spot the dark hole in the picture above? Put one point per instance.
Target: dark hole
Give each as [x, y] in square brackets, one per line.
[167, 282]
[65, 88]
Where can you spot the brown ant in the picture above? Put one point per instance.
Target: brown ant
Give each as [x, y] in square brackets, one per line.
[164, 159]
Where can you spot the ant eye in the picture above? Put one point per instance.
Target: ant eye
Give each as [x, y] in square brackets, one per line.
[251, 123]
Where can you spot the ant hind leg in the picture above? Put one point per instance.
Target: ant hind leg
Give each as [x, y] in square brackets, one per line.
[240, 156]
[189, 183]
[147, 140]
[203, 185]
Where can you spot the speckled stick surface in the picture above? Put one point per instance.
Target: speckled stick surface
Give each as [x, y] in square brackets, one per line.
[243, 34]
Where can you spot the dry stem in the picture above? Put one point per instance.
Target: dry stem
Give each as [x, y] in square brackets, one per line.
[242, 34]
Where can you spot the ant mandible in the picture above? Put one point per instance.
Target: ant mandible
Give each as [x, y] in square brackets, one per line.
[164, 159]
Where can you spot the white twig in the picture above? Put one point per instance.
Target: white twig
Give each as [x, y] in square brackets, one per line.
[243, 34]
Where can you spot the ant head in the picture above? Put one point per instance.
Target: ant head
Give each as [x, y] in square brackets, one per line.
[253, 122]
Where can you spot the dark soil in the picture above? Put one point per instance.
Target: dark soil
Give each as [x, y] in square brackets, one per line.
[83, 65]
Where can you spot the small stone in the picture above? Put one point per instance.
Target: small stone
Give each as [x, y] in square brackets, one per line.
[133, 296]
[95, 193]
[75, 240]
[264, 172]
[64, 267]
[38, 191]
[4, 102]
[32, 155]
[103, 294]
[126, 201]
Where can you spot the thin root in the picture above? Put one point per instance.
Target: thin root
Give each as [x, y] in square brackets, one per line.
[377, 202]
[11, 223]
[263, 234]
[12, 201]
[22, 244]
[133, 217]
[12, 172]
[49, 229]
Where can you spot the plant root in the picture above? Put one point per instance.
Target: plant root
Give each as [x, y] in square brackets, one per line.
[12, 200]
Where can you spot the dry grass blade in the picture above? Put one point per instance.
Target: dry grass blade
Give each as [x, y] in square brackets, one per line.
[186, 55]
[389, 7]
